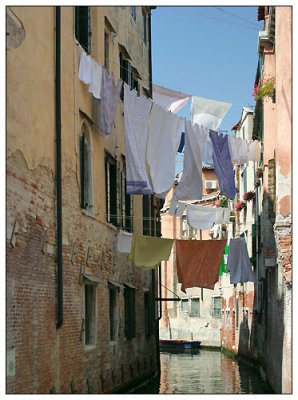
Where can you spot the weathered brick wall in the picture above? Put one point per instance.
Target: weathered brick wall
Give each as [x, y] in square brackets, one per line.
[40, 357]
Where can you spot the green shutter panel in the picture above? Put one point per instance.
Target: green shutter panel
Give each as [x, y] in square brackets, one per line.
[82, 169]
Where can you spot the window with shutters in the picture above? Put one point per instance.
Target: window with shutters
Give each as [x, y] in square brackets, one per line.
[86, 173]
[194, 307]
[112, 189]
[144, 26]
[113, 311]
[90, 315]
[129, 312]
[83, 27]
[184, 305]
[149, 317]
[126, 201]
[107, 49]
[128, 74]
[216, 307]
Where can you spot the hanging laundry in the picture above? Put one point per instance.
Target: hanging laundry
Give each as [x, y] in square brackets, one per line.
[202, 217]
[190, 186]
[198, 262]
[136, 119]
[177, 208]
[169, 99]
[104, 110]
[163, 141]
[223, 265]
[223, 165]
[234, 145]
[85, 68]
[124, 240]
[238, 264]
[215, 231]
[96, 79]
[243, 151]
[208, 112]
[223, 215]
[182, 143]
[207, 156]
[254, 153]
[148, 252]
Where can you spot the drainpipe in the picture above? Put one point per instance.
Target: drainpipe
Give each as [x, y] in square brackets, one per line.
[58, 171]
[150, 53]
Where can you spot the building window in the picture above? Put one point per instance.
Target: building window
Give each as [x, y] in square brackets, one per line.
[129, 312]
[133, 12]
[83, 27]
[149, 313]
[112, 192]
[126, 201]
[228, 318]
[113, 311]
[86, 174]
[106, 50]
[194, 307]
[184, 305]
[144, 26]
[90, 314]
[216, 307]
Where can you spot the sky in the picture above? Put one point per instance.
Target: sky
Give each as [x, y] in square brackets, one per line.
[209, 52]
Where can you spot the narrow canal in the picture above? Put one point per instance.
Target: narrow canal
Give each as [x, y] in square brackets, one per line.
[206, 372]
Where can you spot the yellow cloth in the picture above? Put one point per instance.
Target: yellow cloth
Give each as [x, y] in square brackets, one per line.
[148, 252]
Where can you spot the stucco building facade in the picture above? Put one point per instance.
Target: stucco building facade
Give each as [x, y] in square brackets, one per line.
[80, 317]
[273, 125]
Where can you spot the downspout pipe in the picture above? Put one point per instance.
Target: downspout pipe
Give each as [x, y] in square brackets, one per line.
[150, 52]
[59, 321]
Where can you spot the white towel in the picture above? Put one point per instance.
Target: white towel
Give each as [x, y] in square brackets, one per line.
[169, 99]
[254, 153]
[124, 240]
[85, 68]
[96, 79]
[136, 123]
[201, 217]
[163, 141]
[177, 208]
[238, 149]
[238, 264]
[190, 186]
[208, 112]
[207, 156]
[222, 216]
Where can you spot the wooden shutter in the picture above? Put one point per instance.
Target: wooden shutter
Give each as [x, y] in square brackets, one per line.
[82, 169]
[88, 178]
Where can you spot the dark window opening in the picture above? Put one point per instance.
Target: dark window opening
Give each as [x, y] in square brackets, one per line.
[149, 313]
[130, 312]
[90, 314]
[113, 291]
[86, 174]
[83, 27]
[106, 50]
[144, 26]
[111, 189]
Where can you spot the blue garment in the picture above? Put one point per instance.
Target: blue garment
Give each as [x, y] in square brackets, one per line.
[223, 166]
[182, 143]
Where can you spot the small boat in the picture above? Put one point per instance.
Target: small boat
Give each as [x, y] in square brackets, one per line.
[179, 344]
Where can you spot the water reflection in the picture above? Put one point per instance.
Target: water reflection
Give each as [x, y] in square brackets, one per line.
[209, 372]
[206, 372]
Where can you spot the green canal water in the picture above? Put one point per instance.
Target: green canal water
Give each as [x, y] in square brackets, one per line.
[206, 372]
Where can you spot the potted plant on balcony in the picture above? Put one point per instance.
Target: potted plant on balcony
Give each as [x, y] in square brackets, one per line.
[240, 205]
[265, 89]
[248, 196]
